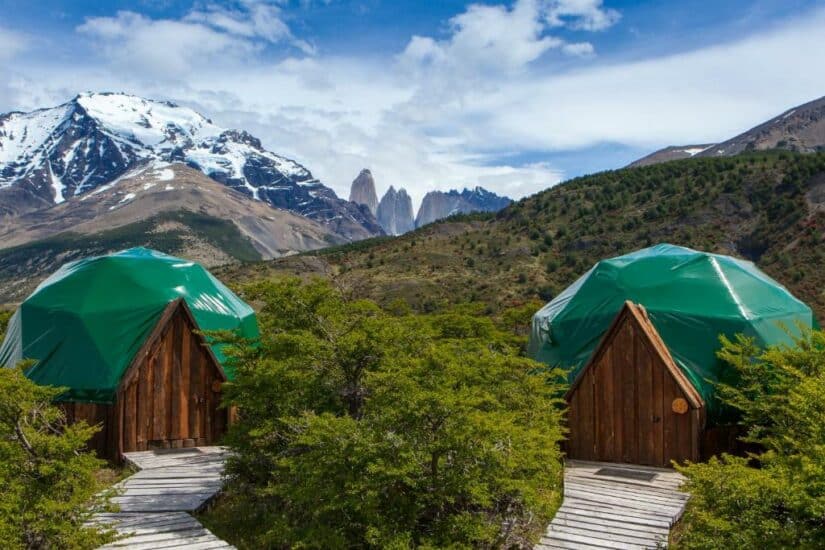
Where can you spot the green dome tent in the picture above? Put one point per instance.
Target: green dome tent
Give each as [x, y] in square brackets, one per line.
[85, 323]
[691, 299]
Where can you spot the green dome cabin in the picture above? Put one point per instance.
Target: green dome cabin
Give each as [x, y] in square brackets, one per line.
[121, 333]
[639, 335]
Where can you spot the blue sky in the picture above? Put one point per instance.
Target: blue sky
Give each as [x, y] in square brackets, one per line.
[512, 95]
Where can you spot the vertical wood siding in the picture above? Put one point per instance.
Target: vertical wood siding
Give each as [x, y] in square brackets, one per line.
[620, 410]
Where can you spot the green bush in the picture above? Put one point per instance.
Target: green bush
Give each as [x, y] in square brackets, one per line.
[776, 498]
[360, 429]
[48, 483]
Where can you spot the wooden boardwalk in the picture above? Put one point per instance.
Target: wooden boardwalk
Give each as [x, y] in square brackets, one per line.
[616, 506]
[156, 503]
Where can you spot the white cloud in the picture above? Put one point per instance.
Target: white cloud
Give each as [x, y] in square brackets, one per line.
[162, 48]
[587, 15]
[498, 38]
[255, 19]
[579, 48]
[11, 43]
[213, 35]
[424, 127]
[704, 95]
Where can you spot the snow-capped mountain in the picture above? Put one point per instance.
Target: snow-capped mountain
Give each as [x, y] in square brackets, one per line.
[50, 155]
[438, 204]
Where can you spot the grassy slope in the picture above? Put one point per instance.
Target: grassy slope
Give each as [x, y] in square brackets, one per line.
[767, 207]
[21, 267]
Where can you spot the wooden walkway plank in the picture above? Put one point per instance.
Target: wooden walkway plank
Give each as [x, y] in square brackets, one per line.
[157, 501]
[615, 506]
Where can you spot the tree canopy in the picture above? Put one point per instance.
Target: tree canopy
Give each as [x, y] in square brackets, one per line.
[365, 428]
[48, 482]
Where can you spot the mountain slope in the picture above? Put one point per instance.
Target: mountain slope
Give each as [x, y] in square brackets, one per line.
[174, 208]
[767, 207]
[50, 155]
[800, 129]
[674, 152]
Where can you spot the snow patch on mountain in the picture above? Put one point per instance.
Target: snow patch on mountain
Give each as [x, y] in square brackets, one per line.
[692, 151]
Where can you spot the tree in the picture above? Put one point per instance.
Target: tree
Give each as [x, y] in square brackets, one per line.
[362, 429]
[774, 498]
[48, 486]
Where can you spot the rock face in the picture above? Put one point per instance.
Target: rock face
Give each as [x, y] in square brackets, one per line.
[801, 129]
[50, 155]
[438, 204]
[395, 212]
[363, 191]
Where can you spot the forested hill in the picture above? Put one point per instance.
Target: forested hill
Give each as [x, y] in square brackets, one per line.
[768, 207]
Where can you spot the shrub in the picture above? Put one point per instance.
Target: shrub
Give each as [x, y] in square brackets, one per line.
[48, 486]
[364, 430]
[776, 498]
[5, 315]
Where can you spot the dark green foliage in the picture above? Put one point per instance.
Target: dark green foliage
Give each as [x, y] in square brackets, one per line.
[366, 429]
[48, 483]
[774, 499]
[5, 315]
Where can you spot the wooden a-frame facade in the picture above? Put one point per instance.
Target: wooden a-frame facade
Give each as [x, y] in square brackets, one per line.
[631, 403]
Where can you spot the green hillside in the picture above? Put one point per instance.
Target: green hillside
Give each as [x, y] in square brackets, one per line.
[766, 207]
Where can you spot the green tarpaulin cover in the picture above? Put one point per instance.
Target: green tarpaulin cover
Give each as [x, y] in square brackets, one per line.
[691, 298]
[85, 323]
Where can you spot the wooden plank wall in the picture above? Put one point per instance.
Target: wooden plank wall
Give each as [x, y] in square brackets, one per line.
[621, 409]
[94, 414]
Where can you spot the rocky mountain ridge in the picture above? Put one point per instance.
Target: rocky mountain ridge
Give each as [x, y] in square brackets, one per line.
[674, 152]
[800, 129]
[438, 205]
[363, 191]
[395, 211]
[170, 207]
